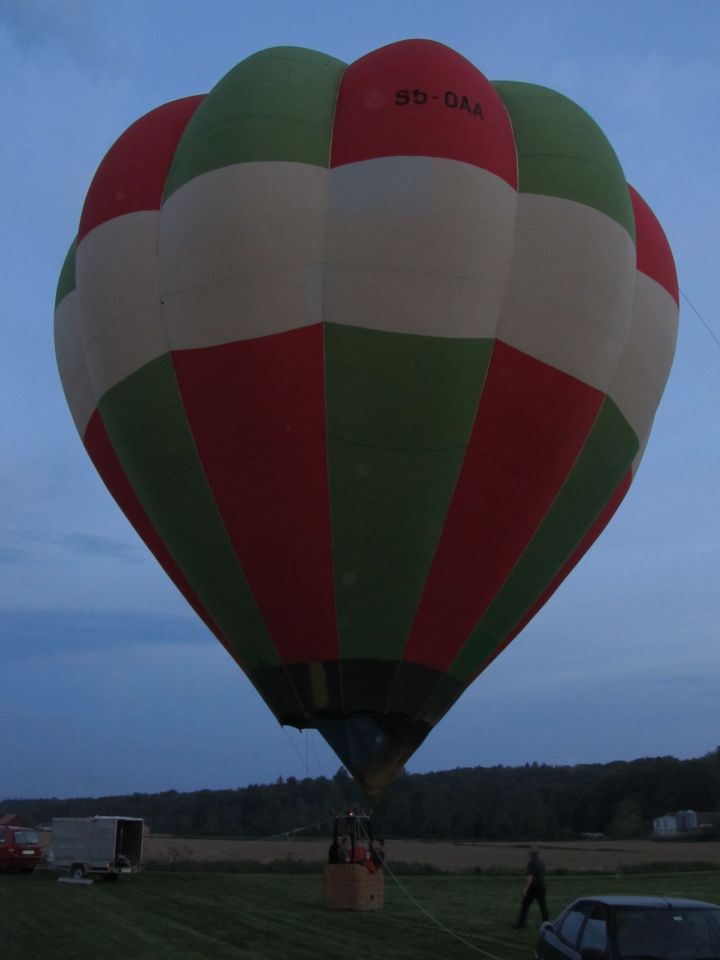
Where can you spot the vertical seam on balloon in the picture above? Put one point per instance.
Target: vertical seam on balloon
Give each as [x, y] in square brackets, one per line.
[582, 447]
[232, 545]
[625, 482]
[72, 301]
[97, 409]
[441, 675]
[529, 543]
[166, 339]
[550, 506]
[479, 403]
[500, 313]
[328, 176]
[449, 505]
[431, 562]
[80, 326]
[214, 502]
[643, 439]
[199, 608]
[204, 472]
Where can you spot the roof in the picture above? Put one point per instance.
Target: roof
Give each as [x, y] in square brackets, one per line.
[650, 902]
[13, 820]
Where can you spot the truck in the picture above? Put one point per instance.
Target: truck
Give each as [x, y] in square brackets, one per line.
[96, 846]
[20, 849]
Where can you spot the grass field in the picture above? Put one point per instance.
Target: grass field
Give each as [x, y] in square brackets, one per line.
[227, 916]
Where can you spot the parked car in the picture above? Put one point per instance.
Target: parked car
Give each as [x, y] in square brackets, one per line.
[644, 928]
[20, 849]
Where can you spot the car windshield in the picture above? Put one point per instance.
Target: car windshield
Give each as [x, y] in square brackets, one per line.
[26, 836]
[668, 934]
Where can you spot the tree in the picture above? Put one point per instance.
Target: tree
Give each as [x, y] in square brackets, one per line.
[627, 821]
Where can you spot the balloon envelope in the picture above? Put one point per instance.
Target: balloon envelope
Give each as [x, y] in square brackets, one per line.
[368, 355]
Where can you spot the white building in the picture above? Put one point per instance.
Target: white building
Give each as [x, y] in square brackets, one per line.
[682, 821]
[686, 821]
[665, 825]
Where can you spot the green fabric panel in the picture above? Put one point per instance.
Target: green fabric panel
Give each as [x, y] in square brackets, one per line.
[562, 152]
[400, 411]
[278, 104]
[66, 281]
[147, 426]
[602, 464]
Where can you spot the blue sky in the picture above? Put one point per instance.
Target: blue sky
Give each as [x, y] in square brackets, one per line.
[110, 685]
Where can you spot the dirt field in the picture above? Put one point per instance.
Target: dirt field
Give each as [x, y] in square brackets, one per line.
[576, 857]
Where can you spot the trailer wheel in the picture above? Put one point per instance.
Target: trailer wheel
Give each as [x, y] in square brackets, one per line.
[77, 871]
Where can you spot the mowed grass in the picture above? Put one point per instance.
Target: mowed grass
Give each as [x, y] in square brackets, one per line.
[227, 916]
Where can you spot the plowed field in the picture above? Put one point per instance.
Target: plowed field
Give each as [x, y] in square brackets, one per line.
[574, 857]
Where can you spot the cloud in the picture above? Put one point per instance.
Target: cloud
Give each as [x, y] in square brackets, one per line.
[149, 718]
[94, 545]
[22, 545]
[594, 712]
[10, 555]
[56, 633]
[35, 24]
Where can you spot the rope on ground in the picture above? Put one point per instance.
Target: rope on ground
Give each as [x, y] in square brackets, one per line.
[452, 933]
[438, 923]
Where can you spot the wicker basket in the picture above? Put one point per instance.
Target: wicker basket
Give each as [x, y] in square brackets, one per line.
[351, 886]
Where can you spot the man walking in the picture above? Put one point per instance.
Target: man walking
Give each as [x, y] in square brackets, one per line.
[534, 888]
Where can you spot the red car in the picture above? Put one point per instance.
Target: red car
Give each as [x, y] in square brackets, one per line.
[20, 849]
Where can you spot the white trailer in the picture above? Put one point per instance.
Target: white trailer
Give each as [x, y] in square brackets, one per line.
[87, 846]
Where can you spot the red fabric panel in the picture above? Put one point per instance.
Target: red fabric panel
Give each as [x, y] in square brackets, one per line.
[588, 540]
[257, 412]
[420, 98]
[654, 256]
[530, 427]
[97, 443]
[133, 172]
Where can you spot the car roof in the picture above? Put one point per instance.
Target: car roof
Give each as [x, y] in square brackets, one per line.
[649, 902]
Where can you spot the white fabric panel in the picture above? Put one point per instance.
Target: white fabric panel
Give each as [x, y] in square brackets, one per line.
[645, 365]
[241, 250]
[71, 362]
[249, 307]
[416, 244]
[406, 244]
[639, 455]
[426, 304]
[570, 293]
[119, 301]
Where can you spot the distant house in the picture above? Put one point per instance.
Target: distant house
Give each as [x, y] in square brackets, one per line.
[665, 825]
[13, 820]
[685, 821]
[708, 820]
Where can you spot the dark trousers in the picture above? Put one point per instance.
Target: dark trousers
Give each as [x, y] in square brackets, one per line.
[533, 893]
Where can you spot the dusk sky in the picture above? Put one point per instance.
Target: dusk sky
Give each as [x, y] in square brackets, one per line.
[110, 683]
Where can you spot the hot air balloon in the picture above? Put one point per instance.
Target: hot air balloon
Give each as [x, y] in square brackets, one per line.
[368, 355]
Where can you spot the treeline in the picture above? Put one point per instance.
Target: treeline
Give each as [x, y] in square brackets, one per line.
[533, 802]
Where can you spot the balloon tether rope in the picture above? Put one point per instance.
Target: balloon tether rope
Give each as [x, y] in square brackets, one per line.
[438, 923]
[699, 316]
[288, 834]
